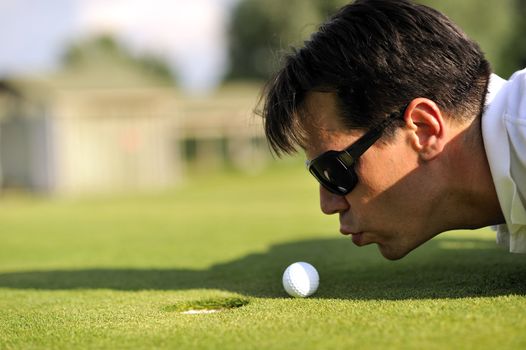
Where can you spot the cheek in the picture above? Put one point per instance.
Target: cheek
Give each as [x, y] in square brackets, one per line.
[386, 185]
[379, 174]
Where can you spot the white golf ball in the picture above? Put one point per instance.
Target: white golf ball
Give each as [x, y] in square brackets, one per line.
[300, 280]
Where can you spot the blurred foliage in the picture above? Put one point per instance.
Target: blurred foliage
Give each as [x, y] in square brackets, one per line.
[514, 53]
[492, 24]
[104, 54]
[261, 30]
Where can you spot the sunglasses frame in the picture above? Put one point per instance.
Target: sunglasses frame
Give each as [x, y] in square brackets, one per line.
[348, 157]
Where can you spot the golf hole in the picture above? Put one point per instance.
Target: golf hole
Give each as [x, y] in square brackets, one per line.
[207, 306]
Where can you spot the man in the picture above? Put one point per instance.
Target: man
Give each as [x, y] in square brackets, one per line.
[404, 126]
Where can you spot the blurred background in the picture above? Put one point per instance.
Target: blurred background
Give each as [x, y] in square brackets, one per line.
[134, 175]
[101, 96]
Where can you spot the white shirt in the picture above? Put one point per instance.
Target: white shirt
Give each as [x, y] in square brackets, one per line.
[504, 134]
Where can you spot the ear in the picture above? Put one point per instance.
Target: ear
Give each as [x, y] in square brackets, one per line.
[426, 122]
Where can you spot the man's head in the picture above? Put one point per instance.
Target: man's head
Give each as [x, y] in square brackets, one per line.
[378, 60]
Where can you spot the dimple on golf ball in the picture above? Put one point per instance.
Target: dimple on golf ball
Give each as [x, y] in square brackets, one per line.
[301, 280]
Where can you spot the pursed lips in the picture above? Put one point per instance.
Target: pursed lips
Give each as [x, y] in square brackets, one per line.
[357, 237]
[345, 229]
[346, 224]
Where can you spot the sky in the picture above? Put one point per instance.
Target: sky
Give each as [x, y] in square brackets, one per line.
[189, 34]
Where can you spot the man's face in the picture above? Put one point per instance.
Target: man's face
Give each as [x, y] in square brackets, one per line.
[389, 204]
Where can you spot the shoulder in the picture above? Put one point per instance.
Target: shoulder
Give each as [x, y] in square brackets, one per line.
[519, 76]
[515, 106]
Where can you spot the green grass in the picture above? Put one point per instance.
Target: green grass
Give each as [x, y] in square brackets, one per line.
[115, 272]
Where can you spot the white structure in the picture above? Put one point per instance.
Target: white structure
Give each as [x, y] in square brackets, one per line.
[92, 140]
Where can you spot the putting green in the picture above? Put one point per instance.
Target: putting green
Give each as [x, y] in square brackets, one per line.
[123, 272]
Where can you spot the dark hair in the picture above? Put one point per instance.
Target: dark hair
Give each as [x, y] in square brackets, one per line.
[377, 56]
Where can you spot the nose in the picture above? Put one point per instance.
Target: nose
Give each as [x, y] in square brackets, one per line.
[331, 203]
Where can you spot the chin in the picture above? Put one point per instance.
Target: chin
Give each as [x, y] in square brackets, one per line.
[392, 253]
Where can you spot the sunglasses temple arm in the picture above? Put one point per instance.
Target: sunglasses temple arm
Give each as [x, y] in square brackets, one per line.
[365, 143]
[373, 135]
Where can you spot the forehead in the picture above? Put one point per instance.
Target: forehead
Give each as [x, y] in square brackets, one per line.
[321, 111]
[322, 122]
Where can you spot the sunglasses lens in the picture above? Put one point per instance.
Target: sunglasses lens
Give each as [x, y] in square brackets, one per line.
[333, 175]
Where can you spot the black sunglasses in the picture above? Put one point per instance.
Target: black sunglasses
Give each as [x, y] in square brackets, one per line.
[334, 170]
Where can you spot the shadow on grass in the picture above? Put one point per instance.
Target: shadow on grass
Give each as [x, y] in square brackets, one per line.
[443, 268]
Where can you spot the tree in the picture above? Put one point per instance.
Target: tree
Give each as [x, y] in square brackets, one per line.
[104, 54]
